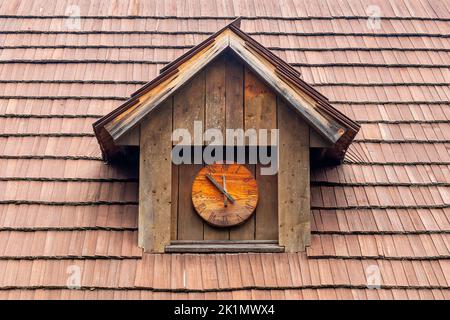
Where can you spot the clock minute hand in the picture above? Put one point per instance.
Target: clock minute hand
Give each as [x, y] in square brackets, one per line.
[218, 186]
[225, 199]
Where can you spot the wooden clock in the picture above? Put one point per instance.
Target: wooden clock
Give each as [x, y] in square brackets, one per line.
[225, 195]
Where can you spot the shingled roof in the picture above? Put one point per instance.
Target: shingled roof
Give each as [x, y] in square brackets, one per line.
[387, 205]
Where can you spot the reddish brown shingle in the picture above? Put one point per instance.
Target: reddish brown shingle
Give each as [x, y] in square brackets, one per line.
[387, 205]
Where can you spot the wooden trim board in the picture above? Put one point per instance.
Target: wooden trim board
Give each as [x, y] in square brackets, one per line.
[224, 246]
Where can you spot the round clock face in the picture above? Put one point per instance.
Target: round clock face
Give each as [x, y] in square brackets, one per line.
[225, 195]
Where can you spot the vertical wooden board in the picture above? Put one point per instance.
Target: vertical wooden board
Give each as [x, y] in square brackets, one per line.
[190, 225]
[155, 180]
[235, 120]
[260, 111]
[189, 104]
[293, 180]
[234, 75]
[214, 233]
[266, 224]
[245, 231]
[215, 119]
[215, 95]
[174, 203]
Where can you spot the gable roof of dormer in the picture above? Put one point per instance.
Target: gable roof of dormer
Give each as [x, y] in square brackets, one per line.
[313, 107]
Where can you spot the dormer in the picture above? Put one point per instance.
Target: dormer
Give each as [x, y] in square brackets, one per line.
[226, 136]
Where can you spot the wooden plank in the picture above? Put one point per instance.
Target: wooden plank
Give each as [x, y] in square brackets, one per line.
[215, 119]
[176, 242]
[234, 93]
[224, 248]
[263, 100]
[245, 231]
[155, 180]
[293, 180]
[259, 113]
[266, 217]
[174, 203]
[189, 104]
[190, 225]
[215, 95]
[260, 110]
[235, 120]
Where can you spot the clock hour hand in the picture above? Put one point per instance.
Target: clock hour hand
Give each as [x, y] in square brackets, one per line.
[219, 187]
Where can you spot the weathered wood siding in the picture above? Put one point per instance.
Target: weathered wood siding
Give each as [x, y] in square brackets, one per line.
[155, 181]
[293, 180]
[215, 108]
[224, 95]
[188, 106]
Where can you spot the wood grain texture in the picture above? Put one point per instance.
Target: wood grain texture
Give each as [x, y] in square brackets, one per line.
[177, 242]
[210, 202]
[266, 217]
[246, 231]
[174, 203]
[260, 103]
[259, 113]
[251, 104]
[215, 109]
[189, 104]
[190, 225]
[234, 117]
[155, 180]
[215, 95]
[293, 180]
[225, 248]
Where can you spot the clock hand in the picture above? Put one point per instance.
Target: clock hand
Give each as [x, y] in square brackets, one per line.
[219, 187]
[225, 200]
